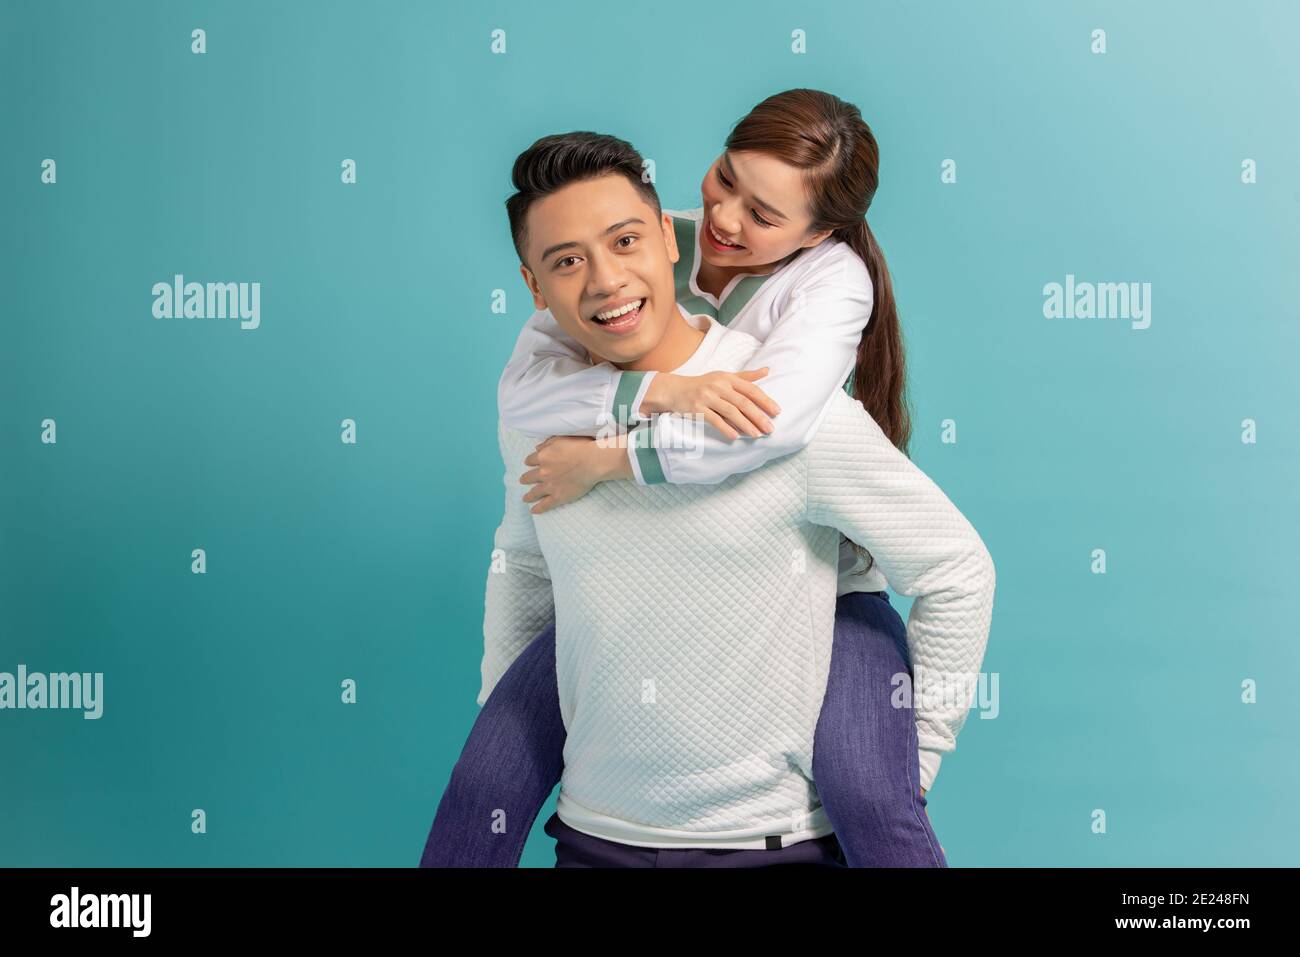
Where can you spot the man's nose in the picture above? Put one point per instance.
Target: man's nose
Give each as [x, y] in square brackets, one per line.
[607, 275]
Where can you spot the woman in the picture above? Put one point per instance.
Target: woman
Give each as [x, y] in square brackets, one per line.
[780, 249]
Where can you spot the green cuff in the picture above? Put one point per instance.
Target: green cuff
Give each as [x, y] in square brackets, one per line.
[629, 384]
[647, 456]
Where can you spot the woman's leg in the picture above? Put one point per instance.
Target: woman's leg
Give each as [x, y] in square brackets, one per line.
[510, 764]
[865, 761]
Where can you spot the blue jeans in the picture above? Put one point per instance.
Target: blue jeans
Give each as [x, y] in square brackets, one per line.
[865, 763]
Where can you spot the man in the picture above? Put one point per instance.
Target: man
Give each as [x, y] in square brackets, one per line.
[693, 623]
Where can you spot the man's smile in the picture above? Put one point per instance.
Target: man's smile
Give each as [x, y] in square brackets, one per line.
[620, 318]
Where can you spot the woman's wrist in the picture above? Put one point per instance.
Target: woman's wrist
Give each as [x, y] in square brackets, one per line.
[658, 396]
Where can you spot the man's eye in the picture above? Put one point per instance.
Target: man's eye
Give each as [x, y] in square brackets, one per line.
[563, 262]
[631, 238]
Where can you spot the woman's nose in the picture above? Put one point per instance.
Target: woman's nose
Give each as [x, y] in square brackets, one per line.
[725, 216]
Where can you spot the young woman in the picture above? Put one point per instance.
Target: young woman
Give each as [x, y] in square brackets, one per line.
[780, 249]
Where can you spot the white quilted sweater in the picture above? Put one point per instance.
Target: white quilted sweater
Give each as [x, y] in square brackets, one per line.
[694, 623]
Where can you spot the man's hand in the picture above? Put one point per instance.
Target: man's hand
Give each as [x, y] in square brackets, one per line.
[567, 466]
[725, 399]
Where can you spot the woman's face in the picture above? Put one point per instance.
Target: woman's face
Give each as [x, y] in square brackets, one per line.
[755, 211]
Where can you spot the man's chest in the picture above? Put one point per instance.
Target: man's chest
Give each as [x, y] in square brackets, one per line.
[758, 516]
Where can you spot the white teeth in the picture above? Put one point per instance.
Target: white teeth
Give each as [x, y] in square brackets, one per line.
[721, 240]
[621, 311]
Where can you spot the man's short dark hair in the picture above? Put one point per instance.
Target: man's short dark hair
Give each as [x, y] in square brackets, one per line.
[555, 161]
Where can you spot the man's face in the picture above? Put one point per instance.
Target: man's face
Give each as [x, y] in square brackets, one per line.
[595, 248]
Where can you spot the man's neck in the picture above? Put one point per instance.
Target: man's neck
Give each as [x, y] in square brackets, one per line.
[679, 342]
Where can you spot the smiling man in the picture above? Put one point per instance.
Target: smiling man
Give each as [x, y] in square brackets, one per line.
[606, 285]
[693, 623]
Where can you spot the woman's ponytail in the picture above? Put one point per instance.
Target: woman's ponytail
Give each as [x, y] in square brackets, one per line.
[880, 373]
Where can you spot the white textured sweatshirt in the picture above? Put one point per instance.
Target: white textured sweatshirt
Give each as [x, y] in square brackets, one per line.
[694, 624]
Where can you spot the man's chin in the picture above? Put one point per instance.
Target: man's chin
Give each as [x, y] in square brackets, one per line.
[619, 353]
[618, 350]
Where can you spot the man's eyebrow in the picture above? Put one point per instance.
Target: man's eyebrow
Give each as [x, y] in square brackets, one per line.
[731, 171]
[619, 225]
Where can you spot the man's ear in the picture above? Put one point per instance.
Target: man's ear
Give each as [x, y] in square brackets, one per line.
[670, 238]
[530, 280]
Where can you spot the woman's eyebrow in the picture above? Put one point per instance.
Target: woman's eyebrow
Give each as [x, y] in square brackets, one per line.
[731, 171]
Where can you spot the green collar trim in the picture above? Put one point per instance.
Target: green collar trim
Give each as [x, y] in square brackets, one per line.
[735, 297]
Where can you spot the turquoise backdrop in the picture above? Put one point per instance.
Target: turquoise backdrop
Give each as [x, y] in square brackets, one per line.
[1120, 692]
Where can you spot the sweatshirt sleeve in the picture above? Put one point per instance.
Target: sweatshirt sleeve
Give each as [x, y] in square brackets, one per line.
[858, 482]
[519, 601]
[811, 351]
[551, 387]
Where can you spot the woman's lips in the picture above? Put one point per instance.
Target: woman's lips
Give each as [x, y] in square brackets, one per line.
[713, 242]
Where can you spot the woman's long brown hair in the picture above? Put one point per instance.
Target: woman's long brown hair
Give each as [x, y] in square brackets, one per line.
[827, 138]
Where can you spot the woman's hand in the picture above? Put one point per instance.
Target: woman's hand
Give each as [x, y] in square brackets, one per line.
[567, 466]
[725, 399]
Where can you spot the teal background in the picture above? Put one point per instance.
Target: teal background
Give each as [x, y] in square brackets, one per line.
[326, 561]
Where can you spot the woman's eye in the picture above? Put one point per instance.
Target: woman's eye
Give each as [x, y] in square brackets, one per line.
[759, 219]
[723, 180]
